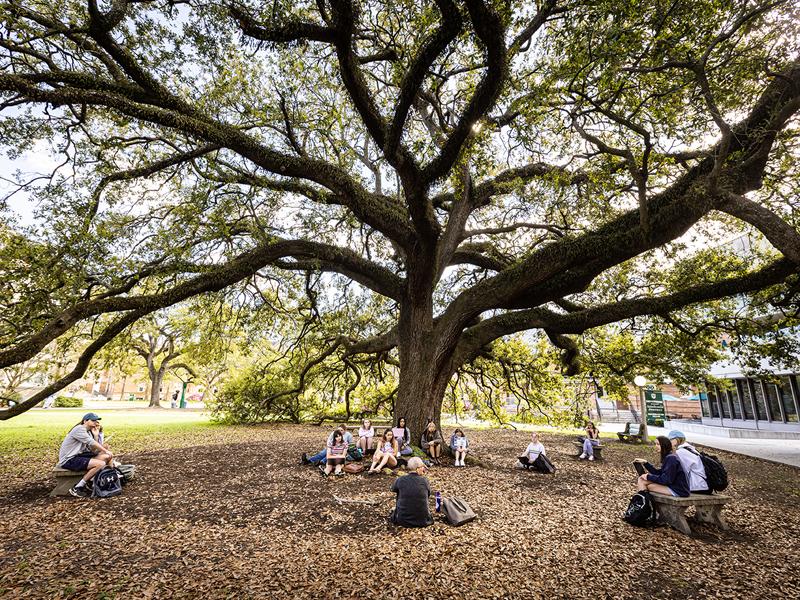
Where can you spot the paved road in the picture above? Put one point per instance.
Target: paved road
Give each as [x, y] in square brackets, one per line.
[781, 451]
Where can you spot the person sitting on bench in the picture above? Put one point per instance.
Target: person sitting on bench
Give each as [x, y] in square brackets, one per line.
[413, 491]
[81, 452]
[669, 479]
[366, 434]
[691, 463]
[591, 440]
[532, 453]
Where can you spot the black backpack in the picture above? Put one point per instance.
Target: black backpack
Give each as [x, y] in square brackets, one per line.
[544, 465]
[716, 475]
[641, 510]
[107, 483]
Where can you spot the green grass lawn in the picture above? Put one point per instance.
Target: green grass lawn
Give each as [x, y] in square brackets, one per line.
[41, 431]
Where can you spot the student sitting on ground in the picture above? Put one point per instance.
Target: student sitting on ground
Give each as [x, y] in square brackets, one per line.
[431, 441]
[531, 460]
[403, 436]
[366, 435]
[386, 453]
[460, 446]
[413, 491]
[336, 452]
[669, 479]
[321, 456]
[691, 463]
[591, 440]
[81, 452]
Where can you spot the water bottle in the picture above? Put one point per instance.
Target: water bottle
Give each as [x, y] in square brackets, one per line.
[438, 502]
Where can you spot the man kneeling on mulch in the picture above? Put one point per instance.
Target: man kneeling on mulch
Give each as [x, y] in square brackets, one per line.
[413, 491]
[81, 452]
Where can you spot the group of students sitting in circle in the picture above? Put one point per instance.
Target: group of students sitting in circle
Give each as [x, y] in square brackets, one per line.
[681, 471]
[390, 449]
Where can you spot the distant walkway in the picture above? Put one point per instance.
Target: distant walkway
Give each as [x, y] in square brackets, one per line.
[781, 451]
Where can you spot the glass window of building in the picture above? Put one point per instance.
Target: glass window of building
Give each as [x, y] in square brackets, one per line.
[733, 398]
[724, 406]
[787, 400]
[773, 401]
[744, 396]
[761, 405]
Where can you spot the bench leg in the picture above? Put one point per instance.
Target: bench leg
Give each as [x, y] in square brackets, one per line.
[63, 484]
[711, 514]
[675, 517]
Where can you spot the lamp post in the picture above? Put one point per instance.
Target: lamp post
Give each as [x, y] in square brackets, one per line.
[640, 382]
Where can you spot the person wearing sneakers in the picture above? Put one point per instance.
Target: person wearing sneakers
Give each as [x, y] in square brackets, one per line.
[81, 452]
[460, 447]
[591, 440]
[336, 453]
[691, 462]
[432, 442]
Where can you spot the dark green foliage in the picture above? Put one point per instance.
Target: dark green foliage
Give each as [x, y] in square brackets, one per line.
[68, 402]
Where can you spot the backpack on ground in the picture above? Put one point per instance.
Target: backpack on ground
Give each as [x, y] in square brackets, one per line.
[641, 510]
[716, 475]
[544, 465]
[107, 483]
[457, 511]
[353, 468]
[127, 472]
[354, 453]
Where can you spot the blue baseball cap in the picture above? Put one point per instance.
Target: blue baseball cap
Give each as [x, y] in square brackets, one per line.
[675, 434]
[90, 417]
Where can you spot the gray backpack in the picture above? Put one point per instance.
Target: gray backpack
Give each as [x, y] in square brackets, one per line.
[457, 511]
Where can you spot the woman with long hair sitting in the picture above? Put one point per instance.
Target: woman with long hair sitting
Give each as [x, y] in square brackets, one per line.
[670, 478]
[386, 453]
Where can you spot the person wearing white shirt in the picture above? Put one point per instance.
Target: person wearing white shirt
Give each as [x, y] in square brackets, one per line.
[691, 463]
[532, 453]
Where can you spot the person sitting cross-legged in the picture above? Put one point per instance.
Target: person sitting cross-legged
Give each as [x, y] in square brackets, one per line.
[531, 460]
[80, 451]
[413, 491]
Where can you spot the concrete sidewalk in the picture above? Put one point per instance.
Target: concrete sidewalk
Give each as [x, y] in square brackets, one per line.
[780, 451]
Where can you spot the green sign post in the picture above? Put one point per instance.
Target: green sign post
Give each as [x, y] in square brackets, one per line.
[654, 401]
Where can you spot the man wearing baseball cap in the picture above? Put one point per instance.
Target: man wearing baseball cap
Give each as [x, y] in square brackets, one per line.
[81, 452]
[690, 461]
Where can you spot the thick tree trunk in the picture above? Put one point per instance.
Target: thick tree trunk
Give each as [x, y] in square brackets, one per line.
[423, 374]
[156, 377]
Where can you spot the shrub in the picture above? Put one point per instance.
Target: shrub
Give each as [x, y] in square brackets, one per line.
[68, 402]
[247, 398]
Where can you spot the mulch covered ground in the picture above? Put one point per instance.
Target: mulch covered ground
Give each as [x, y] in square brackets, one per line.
[233, 515]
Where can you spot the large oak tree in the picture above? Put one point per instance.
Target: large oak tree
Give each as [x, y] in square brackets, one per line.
[482, 168]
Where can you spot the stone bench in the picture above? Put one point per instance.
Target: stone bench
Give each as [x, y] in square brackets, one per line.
[708, 509]
[65, 479]
[598, 450]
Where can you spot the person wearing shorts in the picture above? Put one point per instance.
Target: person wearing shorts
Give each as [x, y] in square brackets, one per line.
[80, 451]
